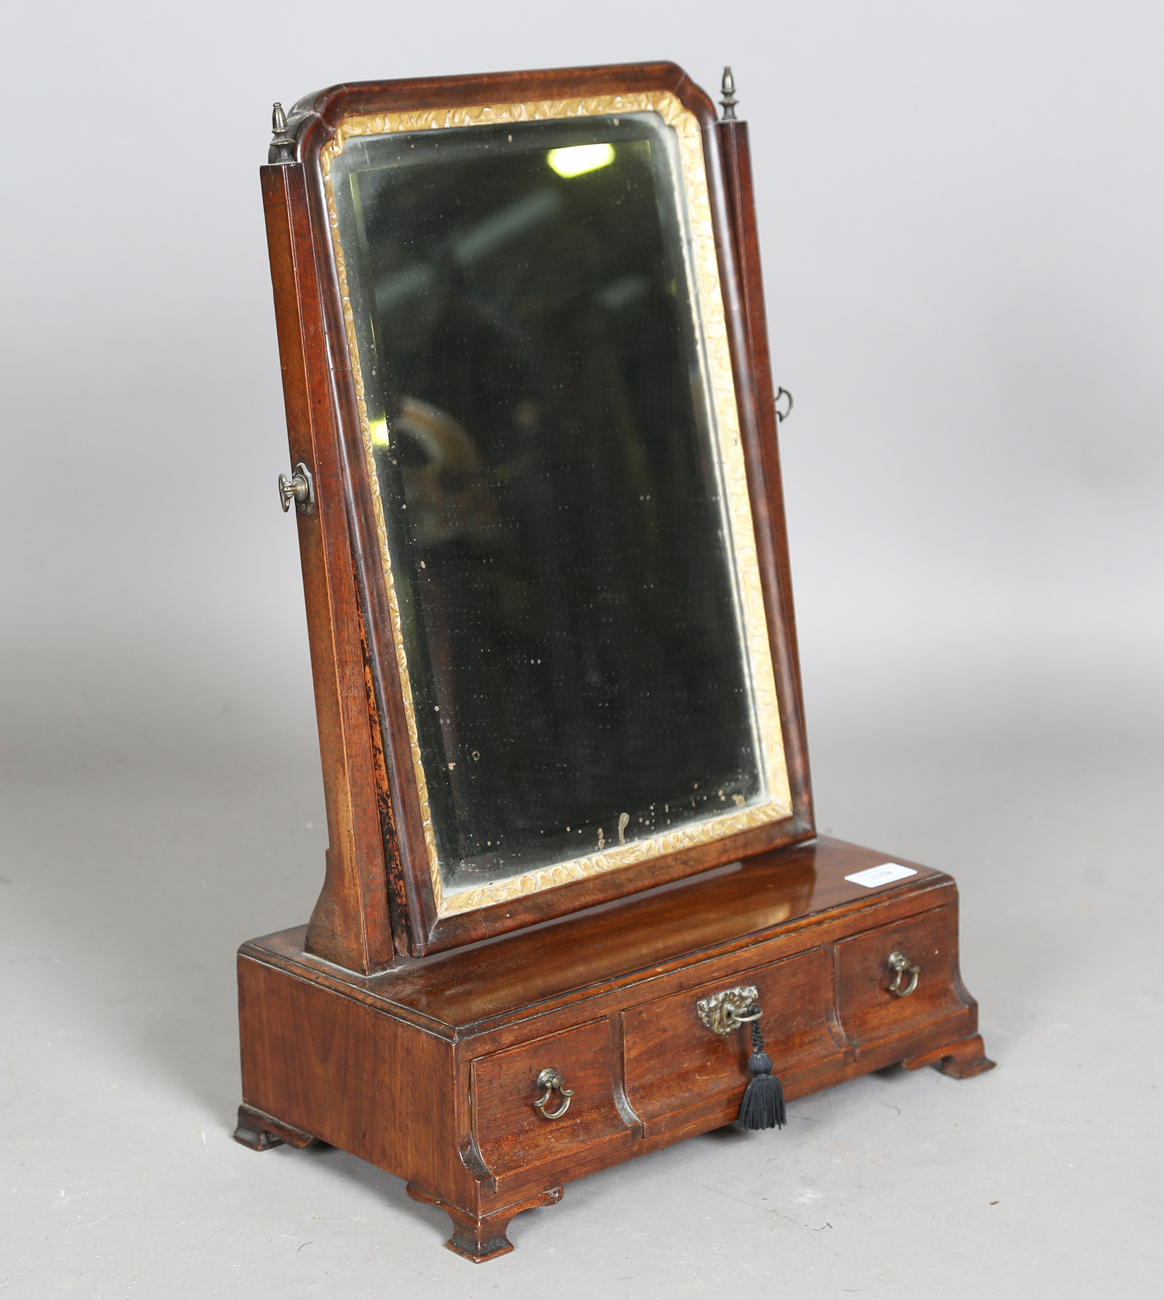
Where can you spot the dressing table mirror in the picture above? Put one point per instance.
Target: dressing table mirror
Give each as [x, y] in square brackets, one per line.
[574, 899]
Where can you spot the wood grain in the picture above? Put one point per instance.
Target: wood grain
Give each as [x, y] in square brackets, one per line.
[673, 1062]
[869, 1010]
[511, 1133]
[350, 924]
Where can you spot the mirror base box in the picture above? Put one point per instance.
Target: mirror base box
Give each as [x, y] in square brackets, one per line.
[436, 1070]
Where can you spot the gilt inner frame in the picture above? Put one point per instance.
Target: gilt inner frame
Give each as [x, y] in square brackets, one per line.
[776, 802]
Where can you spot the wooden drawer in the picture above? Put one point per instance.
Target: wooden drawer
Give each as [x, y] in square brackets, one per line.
[869, 1010]
[675, 1063]
[512, 1134]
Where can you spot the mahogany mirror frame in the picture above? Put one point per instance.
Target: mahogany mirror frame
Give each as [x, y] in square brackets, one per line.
[378, 899]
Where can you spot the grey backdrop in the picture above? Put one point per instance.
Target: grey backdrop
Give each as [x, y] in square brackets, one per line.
[961, 214]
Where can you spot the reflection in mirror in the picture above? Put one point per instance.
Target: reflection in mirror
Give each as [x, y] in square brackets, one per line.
[544, 450]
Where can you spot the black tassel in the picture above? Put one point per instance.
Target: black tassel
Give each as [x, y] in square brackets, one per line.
[763, 1101]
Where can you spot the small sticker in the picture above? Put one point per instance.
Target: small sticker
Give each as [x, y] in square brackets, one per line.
[871, 877]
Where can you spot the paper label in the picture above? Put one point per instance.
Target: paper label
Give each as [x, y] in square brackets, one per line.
[871, 877]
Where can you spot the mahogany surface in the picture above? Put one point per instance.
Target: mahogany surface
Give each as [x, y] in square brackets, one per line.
[662, 930]
[351, 920]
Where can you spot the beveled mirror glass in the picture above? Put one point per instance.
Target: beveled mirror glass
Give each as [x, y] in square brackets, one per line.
[552, 442]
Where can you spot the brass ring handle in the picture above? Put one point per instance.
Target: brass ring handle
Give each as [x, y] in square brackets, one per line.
[901, 965]
[553, 1082]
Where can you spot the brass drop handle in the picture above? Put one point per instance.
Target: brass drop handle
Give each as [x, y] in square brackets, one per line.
[552, 1082]
[300, 488]
[901, 966]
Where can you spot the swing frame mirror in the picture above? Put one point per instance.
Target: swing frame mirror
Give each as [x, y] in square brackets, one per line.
[387, 892]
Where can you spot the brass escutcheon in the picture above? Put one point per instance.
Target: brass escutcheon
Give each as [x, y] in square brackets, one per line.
[727, 1011]
[900, 964]
[553, 1082]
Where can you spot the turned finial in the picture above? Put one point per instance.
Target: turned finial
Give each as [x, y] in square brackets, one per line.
[282, 148]
[728, 90]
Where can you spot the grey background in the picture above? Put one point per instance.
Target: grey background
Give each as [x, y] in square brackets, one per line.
[960, 213]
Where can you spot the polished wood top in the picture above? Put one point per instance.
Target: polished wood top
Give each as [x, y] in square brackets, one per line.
[732, 907]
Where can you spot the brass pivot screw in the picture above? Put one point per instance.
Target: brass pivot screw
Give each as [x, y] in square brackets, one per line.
[300, 488]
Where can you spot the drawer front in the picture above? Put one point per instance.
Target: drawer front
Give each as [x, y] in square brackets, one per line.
[870, 1009]
[675, 1063]
[512, 1133]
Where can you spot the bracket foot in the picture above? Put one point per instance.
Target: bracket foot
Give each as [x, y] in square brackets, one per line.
[261, 1132]
[482, 1237]
[961, 1060]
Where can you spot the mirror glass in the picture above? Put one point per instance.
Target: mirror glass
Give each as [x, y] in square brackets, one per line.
[539, 424]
